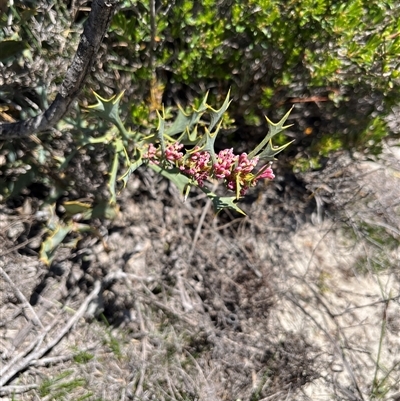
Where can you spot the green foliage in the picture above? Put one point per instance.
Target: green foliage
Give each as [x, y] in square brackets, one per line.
[190, 128]
[66, 220]
[83, 357]
[61, 386]
[272, 50]
[304, 164]
[74, 211]
[265, 149]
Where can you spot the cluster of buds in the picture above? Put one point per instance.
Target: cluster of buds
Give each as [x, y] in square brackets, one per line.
[237, 171]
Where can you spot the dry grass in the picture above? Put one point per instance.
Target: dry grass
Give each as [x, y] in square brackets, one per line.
[295, 301]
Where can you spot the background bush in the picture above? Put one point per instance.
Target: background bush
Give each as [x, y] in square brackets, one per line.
[335, 61]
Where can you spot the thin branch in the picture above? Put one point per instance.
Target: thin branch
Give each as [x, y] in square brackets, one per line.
[139, 386]
[381, 301]
[95, 28]
[334, 343]
[9, 390]
[12, 369]
[21, 297]
[153, 29]
[18, 359]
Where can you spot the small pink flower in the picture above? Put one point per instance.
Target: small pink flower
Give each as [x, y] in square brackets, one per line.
[236, 170]
[201, 159]
[232, 186]
[197, 166]
[172, 152]
[200, 177]
[267, 173]
[245, 165]
[151, 154]
[225, 161]
[242, 175]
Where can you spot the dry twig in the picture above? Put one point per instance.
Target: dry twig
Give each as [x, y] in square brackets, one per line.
[21, 297]
[91, 39]
[14, 367]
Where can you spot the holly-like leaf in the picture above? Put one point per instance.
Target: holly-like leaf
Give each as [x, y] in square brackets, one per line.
[73, 208]
[223, 202]
[210, 141]
[105, 210]
[57, 236]
[160, 130]
[108, 108]
[274, 129]
[270, 151]
[174, 175]
[216, 115]
[185, 122]
[133, 166]
[86, 211]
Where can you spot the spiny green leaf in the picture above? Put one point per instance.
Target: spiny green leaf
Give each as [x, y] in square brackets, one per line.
[105, 210]
[180, 124]
[210, 141]
[270, 151]
[174, 175]
[87, 211]
[221, 202]
[160, 130]
[274, 129]
[192, 136]
[74, 207]
[185, 121]
[216, 115]
[133, 166]
[108, 108]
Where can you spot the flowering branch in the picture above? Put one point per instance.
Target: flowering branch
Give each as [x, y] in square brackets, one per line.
[190, 159]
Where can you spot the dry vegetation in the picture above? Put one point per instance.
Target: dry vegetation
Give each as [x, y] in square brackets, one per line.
[299, 300]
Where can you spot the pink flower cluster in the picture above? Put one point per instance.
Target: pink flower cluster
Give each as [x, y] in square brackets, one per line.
[152, 154]
[225, 160]
[197, 166]
[235, 170]
[241, 172]
[172, 152]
